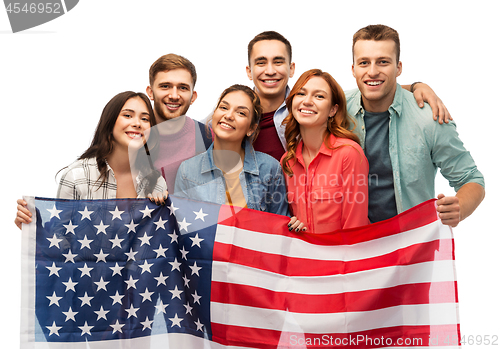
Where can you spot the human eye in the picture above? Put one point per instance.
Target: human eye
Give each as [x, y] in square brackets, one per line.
[320, 96]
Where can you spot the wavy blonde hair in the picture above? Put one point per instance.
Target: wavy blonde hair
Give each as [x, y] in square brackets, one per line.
[338, 125]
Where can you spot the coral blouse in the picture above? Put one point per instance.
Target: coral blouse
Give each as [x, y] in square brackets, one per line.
[332, 193]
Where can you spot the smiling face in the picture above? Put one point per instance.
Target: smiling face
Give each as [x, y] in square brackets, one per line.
[232, 120]
[376, 68]
[132, 124]
[312, 104]
[269, 69]
[172, 93]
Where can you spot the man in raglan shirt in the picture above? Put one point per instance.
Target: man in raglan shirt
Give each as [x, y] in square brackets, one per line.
[403, 145]
[172, 79]
[270, 67]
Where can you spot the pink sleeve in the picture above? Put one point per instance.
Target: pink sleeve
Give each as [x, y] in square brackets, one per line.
[355, 187]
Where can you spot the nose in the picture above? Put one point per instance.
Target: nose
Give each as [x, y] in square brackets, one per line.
[229, 114]
[308, 99]
[174, 93]
[136, 122]
[270, 69]
[373, 71]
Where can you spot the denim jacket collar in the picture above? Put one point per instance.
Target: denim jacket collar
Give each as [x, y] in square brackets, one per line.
[249, 165]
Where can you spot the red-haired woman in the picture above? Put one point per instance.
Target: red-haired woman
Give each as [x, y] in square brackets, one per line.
[325, 168]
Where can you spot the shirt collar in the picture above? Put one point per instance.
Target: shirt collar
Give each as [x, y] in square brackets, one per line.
[397, 103]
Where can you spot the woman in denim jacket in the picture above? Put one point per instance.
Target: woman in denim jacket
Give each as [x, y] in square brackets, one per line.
[231, 171]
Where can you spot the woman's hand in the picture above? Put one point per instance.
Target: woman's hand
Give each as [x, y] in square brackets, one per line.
[23, 214]
[159, 198]
[296, 225]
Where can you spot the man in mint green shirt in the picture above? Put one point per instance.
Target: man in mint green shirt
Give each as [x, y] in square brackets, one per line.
[404, 146]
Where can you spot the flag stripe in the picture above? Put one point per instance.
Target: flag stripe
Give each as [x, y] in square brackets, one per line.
[438, 292]
[275, 263]
[270, 319]
[438, 271]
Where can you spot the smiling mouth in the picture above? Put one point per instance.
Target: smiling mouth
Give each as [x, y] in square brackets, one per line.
[271, 81]
[172, 106]
[307, 111]
[374, 83]
[134, 135]
[226, 126]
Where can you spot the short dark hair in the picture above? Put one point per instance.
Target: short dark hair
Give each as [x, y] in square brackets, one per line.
[168, 62]
[377, 32]
[269, 35]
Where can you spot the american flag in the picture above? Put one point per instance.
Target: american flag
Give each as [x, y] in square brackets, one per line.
[127, 273]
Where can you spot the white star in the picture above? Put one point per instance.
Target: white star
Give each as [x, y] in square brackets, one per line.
[85, 242]
[145, 239]
[116, 269]
[53, 299]
[176, 293]
[146, 267]
[199, 325]
[176, 321]
[117, 298]
[116, 242]
[161, 279]
[200, 215]
[195, 269]
[70, 315]
[183, 225]
[86, 328]
[146, 212]
[85, 270]
[131, 255]
[101, 285]
[175, 264]
[196, 297]
[188, 308]
[54, 329]
[146, 323]
[132, 311]
[53, 269]
[54, 241]
[116, 213]
[85, 213]
[101, 314]
[101, 228]
[160, 224]
[85, 300]
[117, 327]
[131, 282]
[184, 253]
[70, 228]
[70, 285]
[131, 226]
[186, 281]
[54, 212]
[160, 251]
[160, 308]
[146, 295]
[172, 208]
[196, 241]
[101, 256]
[174, 237]
[70, 257]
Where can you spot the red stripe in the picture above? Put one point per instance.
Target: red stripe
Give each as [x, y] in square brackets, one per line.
[268, 223]
[290, 266]
[415, 336]
[422, 293]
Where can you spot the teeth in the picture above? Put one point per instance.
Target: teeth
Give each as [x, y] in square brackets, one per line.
[172, 105]
[270, 81]
[374, 83]
[135, 135]
[226, 125]
[307, 111]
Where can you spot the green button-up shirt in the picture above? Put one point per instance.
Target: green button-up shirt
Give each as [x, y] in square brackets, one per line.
[418, 145]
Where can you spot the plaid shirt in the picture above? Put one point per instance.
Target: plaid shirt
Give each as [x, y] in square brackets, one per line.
[80, 181]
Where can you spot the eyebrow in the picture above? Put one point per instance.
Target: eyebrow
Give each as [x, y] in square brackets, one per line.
[133, 111]
[262, 58]
[238, 107]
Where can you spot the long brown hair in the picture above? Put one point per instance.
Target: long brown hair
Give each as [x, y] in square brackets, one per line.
[338, 125]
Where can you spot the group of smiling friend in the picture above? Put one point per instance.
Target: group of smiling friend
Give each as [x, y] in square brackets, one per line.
[330, 160]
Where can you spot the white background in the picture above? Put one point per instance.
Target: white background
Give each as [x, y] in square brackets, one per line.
[56, 78]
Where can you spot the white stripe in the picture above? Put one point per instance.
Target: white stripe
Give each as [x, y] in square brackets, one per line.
[404, 315]
[436, 271]
[282, 245]
[63, 3]
[160, 341]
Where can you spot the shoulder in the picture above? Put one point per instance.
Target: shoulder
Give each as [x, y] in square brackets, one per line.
[266, 159]
[193, 163]
[351, 94]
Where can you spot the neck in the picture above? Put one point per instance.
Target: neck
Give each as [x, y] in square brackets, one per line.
[312, 139]
[119, 160]
[270, 104]
[381, 105]
[171, 126]
[228, 156]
